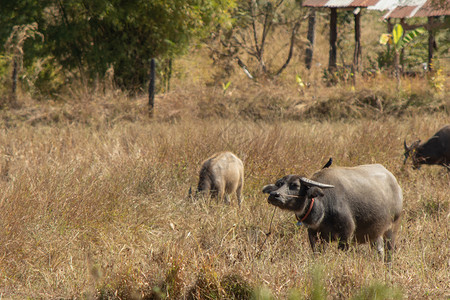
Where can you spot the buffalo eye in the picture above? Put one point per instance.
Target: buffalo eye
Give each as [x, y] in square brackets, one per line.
[294, 186]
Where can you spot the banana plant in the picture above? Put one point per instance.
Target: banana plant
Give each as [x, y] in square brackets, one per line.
[399, 41]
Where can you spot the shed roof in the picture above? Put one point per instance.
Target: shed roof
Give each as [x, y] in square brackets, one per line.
[396, 8]
[417, 8]
[383, 5]
[339, 3]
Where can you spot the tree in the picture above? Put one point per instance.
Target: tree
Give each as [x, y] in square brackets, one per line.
[88, 37]
[255, 22]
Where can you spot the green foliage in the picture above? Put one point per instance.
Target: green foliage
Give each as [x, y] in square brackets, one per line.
[225, 86]
[5, 63]
[43, 78]
[318, 291]
[235, 287]
[397, 33]
[378, 291]
[437, 81]
[398, 40]
[208, 286]
[262, 293]
[340, 74]
[91, 36]
[410, 36]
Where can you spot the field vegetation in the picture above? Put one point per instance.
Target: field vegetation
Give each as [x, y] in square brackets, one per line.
[95, 204]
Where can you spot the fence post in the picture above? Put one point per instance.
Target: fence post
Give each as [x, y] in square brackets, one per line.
[151, 87]
[14, 83]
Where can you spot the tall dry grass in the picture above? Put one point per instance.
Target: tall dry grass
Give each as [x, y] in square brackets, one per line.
[94, 205]
[94, 193]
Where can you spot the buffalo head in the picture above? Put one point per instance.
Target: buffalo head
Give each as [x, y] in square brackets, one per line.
[411, 152]
[291, 191]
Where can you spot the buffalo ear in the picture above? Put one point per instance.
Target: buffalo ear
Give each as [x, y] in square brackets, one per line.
[269, 188]
[315, 192]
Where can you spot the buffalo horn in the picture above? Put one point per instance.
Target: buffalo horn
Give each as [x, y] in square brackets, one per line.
[310, 182]
[404, 145]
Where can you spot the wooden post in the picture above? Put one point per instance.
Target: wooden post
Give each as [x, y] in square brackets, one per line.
[357, 54]
[310, 36]
[151, 87]
[333, 39]
[14, 82]
[431, 44]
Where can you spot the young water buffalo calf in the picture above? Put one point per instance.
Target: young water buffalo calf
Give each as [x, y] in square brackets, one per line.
[362, 203]
[222, 174]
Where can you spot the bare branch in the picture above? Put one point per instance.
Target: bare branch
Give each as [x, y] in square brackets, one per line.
[291, 47]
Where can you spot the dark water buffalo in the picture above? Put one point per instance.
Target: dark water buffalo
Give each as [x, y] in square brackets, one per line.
[221, 175]
[435, 151]
[362, 203]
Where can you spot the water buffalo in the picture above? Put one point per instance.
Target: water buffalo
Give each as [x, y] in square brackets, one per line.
[362, 204]
[221, 175]
[435, 151]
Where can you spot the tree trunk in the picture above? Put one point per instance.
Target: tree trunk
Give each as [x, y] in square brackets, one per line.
[333, 39]
[397, 67]
[311, 32]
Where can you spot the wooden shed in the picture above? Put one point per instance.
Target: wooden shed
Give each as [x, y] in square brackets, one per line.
[406, 9]
[395, 9]
[333, 5]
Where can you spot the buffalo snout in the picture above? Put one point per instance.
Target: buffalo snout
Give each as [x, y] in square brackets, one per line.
[269, 188]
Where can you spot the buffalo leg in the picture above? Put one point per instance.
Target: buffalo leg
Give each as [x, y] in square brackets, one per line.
[239, 194]
[390, 243]
[378, 244]
[227, 199]
[313, 238]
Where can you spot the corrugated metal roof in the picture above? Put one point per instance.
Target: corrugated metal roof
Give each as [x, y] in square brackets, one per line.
[428, 10]
[421, 8]
[400, 12]
[315, 3]
[364, 3]
[411, 2]
[339, 3]
[384, 5]
[397, 8]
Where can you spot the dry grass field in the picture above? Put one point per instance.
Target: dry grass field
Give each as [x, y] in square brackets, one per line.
[94, 205]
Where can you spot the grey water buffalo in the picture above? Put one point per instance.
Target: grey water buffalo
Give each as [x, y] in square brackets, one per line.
[344, 204]
[435, 151]
[222, 175]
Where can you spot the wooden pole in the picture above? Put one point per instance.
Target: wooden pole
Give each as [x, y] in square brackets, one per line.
[357, 54]
[333, 39]
[310, 36]
[14, 83]
[151, 87]
[431, 44]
